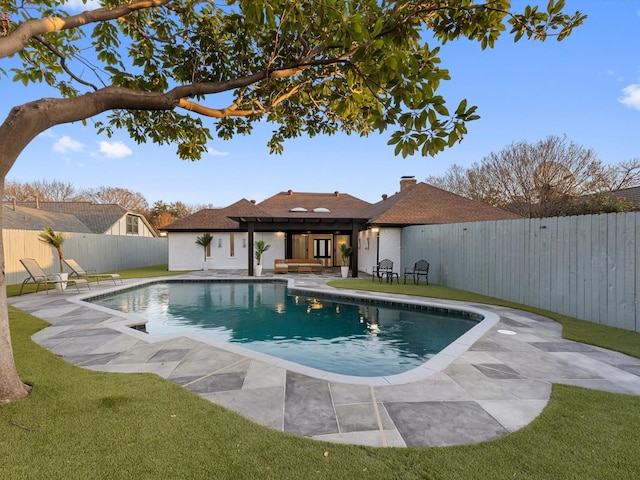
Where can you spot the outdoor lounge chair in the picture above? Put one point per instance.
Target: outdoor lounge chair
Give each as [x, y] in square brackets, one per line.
[78, 272]
[37, 276]
[384, 269]
[420, 269]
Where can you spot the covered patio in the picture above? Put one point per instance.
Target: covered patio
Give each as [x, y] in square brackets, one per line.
[317, 238]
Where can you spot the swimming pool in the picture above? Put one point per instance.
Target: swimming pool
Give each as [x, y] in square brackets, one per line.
[337, 335]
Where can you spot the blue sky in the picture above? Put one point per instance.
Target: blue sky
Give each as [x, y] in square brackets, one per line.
[587, 87]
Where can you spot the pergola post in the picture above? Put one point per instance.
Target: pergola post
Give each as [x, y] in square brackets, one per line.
[250, 231]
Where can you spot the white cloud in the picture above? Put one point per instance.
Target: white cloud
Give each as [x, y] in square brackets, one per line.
[216, 153]
[67, 144]
[48, 134]
[114, 150]
[631, 96]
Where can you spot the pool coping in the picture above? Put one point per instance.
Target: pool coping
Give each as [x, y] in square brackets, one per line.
[433, 365]
[497, 386]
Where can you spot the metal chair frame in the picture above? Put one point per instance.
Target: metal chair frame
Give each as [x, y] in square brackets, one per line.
[420, 269]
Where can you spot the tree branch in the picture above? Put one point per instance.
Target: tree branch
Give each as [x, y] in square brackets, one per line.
[18, 39]
[63, 62]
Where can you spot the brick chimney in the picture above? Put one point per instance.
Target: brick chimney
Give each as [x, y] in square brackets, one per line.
[407, 181]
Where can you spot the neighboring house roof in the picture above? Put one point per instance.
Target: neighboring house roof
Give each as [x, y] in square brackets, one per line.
[97, 217]
[24, 218]
[631, 194]
[216, 218]
[292, 204]
[423, 204]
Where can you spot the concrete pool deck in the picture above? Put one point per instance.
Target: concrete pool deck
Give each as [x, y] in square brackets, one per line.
[496, 384]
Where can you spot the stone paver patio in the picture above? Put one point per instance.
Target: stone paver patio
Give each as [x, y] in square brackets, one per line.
[493, 381]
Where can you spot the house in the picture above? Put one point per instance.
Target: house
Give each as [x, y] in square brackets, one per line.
[80, 217]
[314, 225]
[631, 195]
[100, 237]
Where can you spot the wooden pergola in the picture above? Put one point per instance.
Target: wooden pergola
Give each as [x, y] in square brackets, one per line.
[340, 226]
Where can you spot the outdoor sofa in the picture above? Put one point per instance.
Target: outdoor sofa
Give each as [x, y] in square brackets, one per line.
[297, 265]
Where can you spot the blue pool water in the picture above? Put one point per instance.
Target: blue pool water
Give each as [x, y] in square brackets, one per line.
[325, 333]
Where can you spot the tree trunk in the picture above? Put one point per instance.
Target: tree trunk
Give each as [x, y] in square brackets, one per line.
[11, 388]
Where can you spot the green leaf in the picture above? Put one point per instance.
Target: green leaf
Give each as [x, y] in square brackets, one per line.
[367, 65]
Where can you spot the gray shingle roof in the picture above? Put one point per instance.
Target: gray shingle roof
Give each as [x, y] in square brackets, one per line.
[96, 216]
[631, 194]
[25, 218]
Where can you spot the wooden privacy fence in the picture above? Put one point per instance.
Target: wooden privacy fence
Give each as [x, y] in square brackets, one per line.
[94, 252]
[583, 266]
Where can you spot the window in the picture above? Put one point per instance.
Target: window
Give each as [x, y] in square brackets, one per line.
[232, 245]
[132, 225]
[321, 248]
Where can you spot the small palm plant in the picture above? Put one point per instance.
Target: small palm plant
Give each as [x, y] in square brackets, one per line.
[345, 252]
[204, 240]
[261, 247]
[55, 240]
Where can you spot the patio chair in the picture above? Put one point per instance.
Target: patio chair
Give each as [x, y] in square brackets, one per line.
[420, 269]
[78, 272]
[384, 269]
[37, 276]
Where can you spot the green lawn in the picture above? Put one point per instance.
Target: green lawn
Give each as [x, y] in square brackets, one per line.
[79, 424]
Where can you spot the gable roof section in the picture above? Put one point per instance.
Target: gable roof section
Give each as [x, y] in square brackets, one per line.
[327, 205]
[211, 219]
[98, 217]
[19, 217]
[423, 204]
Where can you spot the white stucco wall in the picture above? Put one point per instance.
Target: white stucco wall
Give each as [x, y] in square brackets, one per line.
[367, 250]
[277, 249]
[390, 246]
[186, 254]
